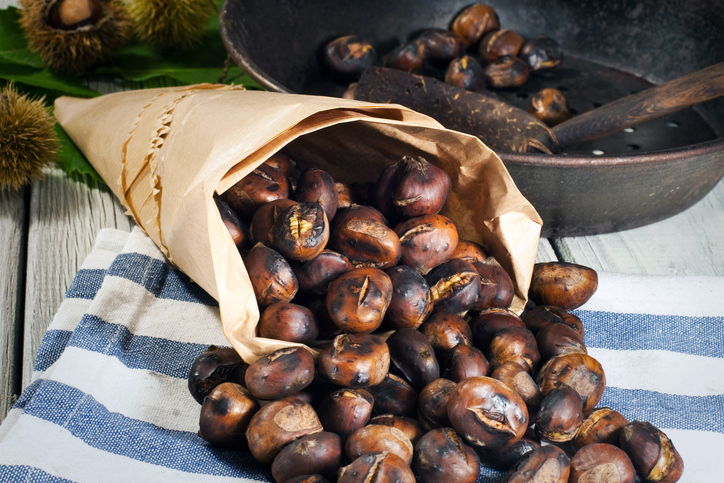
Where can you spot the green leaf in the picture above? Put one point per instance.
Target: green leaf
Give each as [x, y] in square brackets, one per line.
[51, 83]
[13, 45]
[71, 159]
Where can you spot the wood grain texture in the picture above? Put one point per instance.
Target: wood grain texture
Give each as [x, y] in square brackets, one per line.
[545, 252]
[65, 216]
[690, 243]
[12, 248]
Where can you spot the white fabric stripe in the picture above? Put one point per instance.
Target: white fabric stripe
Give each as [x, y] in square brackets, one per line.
[662, 371]
[108, 241]
[139, 242]
[59, 453]
[686, 296]
[136, 393]
[69, 314]
[143, 314]
[701, 452]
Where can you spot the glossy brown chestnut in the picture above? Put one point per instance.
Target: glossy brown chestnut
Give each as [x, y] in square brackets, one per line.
[441, 455]
[466, 73]
[652, 452]
[602, 425]
[360, 233]
[289, 322]
[515, 344]
[506, 72]
[281, 373]
[560, 415]
[354, 360]
[432, 404]
[301, 231]
[409, 57]
[315, 275]
[308, 479]
[237, 229]
[327, 328]
[212, 367]
[504, 458]
[411, 301]
[565, 285]
[488, 323]
[445, 331]
[455, 286]
[264, 218]
[550, 106]
[381, 467]
[487, 413]
[474, 22]
[262, 185]
[518, 379]
[411, 187]
[277, 424]
[376, 438]
[496, 286]
[271, 275]
[542, 54]
[601, 463]
[543, 315]
[317, 186]
[465, 361]
[344, 192]
[557, 339]
[347, 57]
[412, 357]
[394, 395]
[346, 410]
[225, 414]
[469, 251]
[441, 46]
[409, 426]
[547, 463]
[320, 453]
[426, 241]
[282, 162]
[580, 371]
[500, 43]
[357, 300]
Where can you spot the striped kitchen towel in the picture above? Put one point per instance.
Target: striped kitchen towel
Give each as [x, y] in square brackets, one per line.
[109, 398]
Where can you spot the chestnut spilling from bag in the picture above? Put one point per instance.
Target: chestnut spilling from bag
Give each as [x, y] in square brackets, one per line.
[165, 153]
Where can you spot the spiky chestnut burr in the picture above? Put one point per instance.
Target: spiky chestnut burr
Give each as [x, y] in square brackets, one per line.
[170, 23]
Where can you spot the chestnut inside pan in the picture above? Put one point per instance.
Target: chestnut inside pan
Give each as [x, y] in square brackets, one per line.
[625, 180]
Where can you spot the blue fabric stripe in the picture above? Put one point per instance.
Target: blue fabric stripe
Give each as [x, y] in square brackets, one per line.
[51, 348]
[14, 473]
[85, 284]
[702, 336]
[92, 423]
[164, 356]
[159, 278]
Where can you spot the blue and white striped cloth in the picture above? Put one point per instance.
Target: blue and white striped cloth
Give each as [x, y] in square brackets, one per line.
[109, 399]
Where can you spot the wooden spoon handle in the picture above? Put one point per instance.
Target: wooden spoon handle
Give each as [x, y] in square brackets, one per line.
[677, 94]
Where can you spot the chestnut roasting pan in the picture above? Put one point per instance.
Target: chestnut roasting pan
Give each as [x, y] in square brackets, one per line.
[613, 48]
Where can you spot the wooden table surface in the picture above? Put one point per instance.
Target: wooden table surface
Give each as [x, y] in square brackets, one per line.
[47, 230]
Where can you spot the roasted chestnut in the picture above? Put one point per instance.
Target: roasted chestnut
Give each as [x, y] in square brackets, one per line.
[412, 356]
[505, 458]
[550, 106]
[409, 426]
[225, 414]
[360, 233]
[411, 301]
[601, 462]
[440, 455]
[264, 184]
[496, 286]
[426, 241]
[264, 218]
[308, 479]
[547, 463]
[376, 438]
[441, 46]
[557, 339]
[543, 315]
[271, 275]
[289, 322]
[394, 395]
[347, 57]
[301, 231]
[506, 72]
[346, 410]
[282, 162]
[500, 43]
[409, 57]
[518, 379]
[411, 187]
[474, 22]
[466, 73]
[469, 251]
[652, 452]
[320, 453]
[565, 285]
[580, 371]
[317, 186]
[357, 300]
[515, 344]
[315, 275]
[327, 328]
[354, 360]
[542, 54]
[560, 415]
[487, 413]
[432, 404]
[237, 229]
[465, 361]
[212, 367]
[381, 467]
[455, 286]
[445, 331]
[280, 373]
[603, 425]
[277, 424]
[344, 192]
[487, 324]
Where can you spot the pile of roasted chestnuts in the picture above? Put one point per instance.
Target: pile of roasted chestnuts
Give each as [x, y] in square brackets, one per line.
[474, 54]
[422, 370]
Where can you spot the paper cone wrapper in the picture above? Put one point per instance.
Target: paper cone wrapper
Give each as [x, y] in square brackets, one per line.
[165, 152]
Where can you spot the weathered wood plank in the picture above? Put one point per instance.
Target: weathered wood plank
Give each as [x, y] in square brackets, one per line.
[545, 252]
[690, 243]
[12, 267]
[65, 216]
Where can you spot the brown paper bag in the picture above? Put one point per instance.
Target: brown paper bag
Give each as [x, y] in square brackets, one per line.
[164, 152]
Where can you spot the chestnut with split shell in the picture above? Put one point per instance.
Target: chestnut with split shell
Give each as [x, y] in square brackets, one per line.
[466, 73]
[357, 300]
[354, 360]
[500, 43]
[506, 72]
[212, 367]
[474, 22]
[346, 410]
[301, 231]
[547, 463]
[361, 234]
[602, 425]
[264, 218]
[580, 371]
[441, 455]
[652, 452]
[455, 286]
[426, 241]
[376, 438]
[347, 57]
[550, 106]
[381, 467]
[409, 426]
[469, 251]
